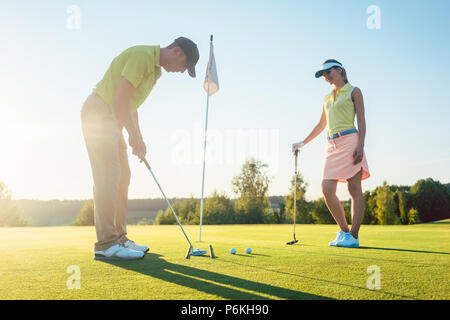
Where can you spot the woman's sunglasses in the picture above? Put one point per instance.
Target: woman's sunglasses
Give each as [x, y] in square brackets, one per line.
[328, 71]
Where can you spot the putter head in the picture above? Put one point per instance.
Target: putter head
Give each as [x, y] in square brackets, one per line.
[198, 252]
[291, 242]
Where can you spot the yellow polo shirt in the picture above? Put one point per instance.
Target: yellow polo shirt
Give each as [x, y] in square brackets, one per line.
[139, 65]
[340, 113]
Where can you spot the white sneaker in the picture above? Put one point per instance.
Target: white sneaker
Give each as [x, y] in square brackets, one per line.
[133, 246]
[348, 241]
[118, 252]
[339, 235]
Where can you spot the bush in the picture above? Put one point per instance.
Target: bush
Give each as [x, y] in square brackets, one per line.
[165, 217]
[145, 222]
[320, 212]
[431, 199]
[187, 211]
[347, 206]
[10, 214]
[279, 214]
[218, 209]
[85, 216]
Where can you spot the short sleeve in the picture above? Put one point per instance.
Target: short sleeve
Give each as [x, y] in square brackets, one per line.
[136, 68]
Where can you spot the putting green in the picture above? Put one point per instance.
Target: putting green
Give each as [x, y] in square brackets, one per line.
[394, 262]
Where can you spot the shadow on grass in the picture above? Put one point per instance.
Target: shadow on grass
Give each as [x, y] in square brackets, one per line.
[330, 282]
[403, 250]
[216, 284]
[342, 253]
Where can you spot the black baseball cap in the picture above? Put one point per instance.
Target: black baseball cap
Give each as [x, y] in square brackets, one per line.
[190, 50]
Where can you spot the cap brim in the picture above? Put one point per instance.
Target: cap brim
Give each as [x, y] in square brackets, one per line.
[328, 66]
[319, 73]
[191, 71]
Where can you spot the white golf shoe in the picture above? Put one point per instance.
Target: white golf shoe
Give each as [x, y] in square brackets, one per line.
[348, 241]
[133, 246]
[339, 235]
[118, 252]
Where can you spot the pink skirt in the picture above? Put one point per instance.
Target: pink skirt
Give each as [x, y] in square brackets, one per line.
[339, 159]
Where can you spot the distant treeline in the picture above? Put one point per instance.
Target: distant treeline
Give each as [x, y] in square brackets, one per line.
[64, 212]
[427, 200]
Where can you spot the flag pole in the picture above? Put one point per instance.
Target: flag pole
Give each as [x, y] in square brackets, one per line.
[204, 145]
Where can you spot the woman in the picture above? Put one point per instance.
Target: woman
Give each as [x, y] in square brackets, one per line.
[345, 160]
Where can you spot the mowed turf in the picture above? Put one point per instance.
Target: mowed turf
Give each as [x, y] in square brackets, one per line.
[413, 262]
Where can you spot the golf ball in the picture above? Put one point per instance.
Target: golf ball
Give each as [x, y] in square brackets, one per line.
[232, 250]
[248, 250]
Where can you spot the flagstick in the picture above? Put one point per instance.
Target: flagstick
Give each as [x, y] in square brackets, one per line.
[204, 147]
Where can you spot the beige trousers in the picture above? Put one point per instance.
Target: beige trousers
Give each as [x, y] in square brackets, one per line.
[107, 152]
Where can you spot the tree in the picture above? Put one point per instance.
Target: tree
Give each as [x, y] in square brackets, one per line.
[402, 206]
[431, 199]
[10, 214]
[370, 199]
[385, 210]
[251, 186]
[413, 216]
[302, 206]
[85, 216]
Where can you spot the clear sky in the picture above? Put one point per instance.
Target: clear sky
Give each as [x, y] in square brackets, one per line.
[266, 54]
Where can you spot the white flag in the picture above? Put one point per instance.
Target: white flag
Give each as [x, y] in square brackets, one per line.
[211, 77]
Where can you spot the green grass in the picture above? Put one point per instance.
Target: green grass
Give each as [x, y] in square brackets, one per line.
[414, 263]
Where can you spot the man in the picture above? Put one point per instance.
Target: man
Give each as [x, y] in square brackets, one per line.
[111, 107]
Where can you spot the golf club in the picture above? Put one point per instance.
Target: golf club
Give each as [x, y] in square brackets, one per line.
[295, 198]
[191, 251]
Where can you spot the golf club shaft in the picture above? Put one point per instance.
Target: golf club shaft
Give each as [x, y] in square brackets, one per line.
[173, 211]
[295, 189]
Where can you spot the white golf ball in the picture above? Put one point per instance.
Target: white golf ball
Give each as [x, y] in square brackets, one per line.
[233, 251]
[248, 250]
